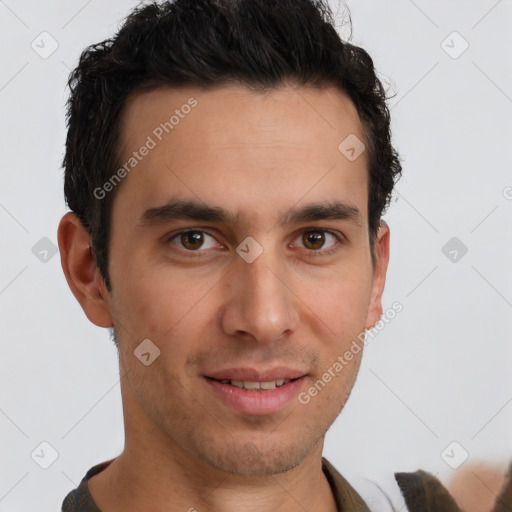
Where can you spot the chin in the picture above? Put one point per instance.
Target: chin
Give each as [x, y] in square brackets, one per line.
[254, 459]
[249, 460]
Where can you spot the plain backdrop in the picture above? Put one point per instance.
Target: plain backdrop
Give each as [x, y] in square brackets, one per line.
[435, 384]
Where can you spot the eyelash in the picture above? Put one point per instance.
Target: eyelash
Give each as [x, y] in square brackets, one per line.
[326, 252]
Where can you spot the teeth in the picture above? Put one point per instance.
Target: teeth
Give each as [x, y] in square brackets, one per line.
[252, 386]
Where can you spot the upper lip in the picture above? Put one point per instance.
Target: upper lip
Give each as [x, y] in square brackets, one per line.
[253, 375]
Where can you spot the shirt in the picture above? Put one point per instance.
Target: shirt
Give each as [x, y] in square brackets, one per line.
[422, 492]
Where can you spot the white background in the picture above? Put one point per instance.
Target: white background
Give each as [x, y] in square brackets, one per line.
[438, 373]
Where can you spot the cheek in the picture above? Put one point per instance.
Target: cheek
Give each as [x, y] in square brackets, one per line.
[341, 300]
[164, 305]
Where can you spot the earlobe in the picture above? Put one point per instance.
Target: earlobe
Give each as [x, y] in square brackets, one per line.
[79, 266]
[379, 275]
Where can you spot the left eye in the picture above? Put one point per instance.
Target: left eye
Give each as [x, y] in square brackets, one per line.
[316, 239]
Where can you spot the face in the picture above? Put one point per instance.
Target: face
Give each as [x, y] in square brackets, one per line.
[240, 249]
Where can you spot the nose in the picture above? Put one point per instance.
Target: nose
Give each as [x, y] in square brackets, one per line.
[260, 302]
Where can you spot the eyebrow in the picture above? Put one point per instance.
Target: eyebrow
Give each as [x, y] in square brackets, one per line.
[199, 211]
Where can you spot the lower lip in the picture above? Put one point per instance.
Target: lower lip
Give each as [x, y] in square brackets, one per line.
[257, 403]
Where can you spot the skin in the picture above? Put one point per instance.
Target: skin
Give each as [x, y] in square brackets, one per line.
[475, 487]
[257, 155]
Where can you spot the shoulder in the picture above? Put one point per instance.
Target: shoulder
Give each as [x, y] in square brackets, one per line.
[80, 499]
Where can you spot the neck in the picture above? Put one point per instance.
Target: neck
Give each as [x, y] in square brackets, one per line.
[148, 477]
[154, 473]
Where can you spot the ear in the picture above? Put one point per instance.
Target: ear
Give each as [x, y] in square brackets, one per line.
[379, 275]
[79, 266]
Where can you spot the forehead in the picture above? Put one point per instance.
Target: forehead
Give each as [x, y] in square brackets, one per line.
[229, 143]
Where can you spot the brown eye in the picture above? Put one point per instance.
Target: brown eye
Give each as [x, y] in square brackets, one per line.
[313, 239]
[192, 239]
[319, 242]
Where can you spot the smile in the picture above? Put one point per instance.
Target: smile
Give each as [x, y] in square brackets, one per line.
[255, 398]
[255, 386]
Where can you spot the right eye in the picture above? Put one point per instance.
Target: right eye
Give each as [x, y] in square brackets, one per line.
[192, 240]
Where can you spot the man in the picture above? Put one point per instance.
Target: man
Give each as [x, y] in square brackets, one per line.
[227, 166]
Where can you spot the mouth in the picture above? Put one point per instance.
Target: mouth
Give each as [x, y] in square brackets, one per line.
[255, 385]
[252, 375]
[255, 394]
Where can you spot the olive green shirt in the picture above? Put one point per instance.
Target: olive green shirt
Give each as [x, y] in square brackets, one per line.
[421, 490]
